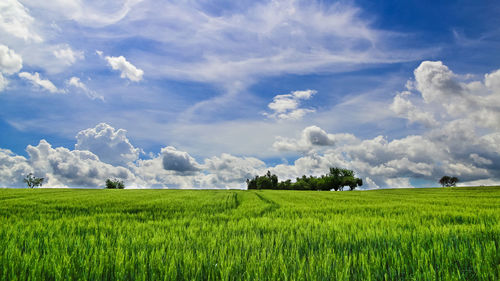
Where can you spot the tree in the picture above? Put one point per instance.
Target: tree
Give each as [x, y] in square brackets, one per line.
[114, 184]
[339, 178]
[33, 181]
[448, 181]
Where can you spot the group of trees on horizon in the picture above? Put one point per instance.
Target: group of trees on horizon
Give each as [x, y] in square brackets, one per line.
[336, 179]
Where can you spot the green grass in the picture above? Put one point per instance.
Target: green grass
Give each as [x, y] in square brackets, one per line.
[410, 234]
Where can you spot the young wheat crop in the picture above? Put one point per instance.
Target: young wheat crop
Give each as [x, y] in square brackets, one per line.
[410, 234]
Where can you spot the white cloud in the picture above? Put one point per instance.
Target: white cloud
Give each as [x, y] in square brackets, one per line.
[312, 138]
[77, 83]
[68, 55]
[39, 82]
[442, 151]
[22, 27]
[380, 162]
[177, 169]
[60, 167]
[153, 174]
[10, 62]
[15, 20]
[492, 81]
[436, 82]
[87, 13]
[480, 160]
[398, 183]
[260, 39]
[229, 170]
[465, 170]
[178, 161]
[12, 168]
[459, 145]
[110, 145]
[74, 168]
[462, 142]
[286, 107]
[127, 69]
[439, 95]
[404, 108]
[304, 95]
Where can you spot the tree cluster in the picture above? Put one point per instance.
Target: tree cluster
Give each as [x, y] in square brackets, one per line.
[448, 181]
[267, 181]
[32, 181]
[114, 184]
[336, 179]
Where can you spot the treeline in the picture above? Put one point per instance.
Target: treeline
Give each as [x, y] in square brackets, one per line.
[336, 179]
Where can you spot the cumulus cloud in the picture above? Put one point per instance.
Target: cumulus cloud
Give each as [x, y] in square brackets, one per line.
[311, 137]
[127, 69]
[103, 152]
[177, 169]
[456, 145]
[74, 168]
[441, 96]
[153, 174]
[178, 161]
[15, 20]
[404, 108]
[77, 83]
[286, 107]
[380, 162]
[12, 168]
[462, 138]
[68, 55]
[225, 171]
[110, 145]
[436, 82]
[492, 81]
[231, 170]
[60, 167]
[37, 81]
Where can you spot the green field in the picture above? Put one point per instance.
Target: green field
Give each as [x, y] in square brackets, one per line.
[408, 234]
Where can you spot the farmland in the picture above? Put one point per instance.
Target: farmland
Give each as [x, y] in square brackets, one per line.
[406, 234]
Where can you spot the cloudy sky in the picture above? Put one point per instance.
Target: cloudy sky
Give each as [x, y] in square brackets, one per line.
[204, 94]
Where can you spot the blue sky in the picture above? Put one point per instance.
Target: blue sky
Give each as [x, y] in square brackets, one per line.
[182, 94]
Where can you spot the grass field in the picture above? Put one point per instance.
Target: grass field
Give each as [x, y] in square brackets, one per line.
[409, 234]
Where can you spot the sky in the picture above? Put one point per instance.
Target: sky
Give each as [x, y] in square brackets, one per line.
[205, 94]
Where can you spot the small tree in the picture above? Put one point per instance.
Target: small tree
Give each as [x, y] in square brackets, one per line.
[33, 181]
[448, 181]
[114, 184]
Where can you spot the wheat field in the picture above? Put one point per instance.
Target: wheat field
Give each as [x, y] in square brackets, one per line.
[397, 234]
